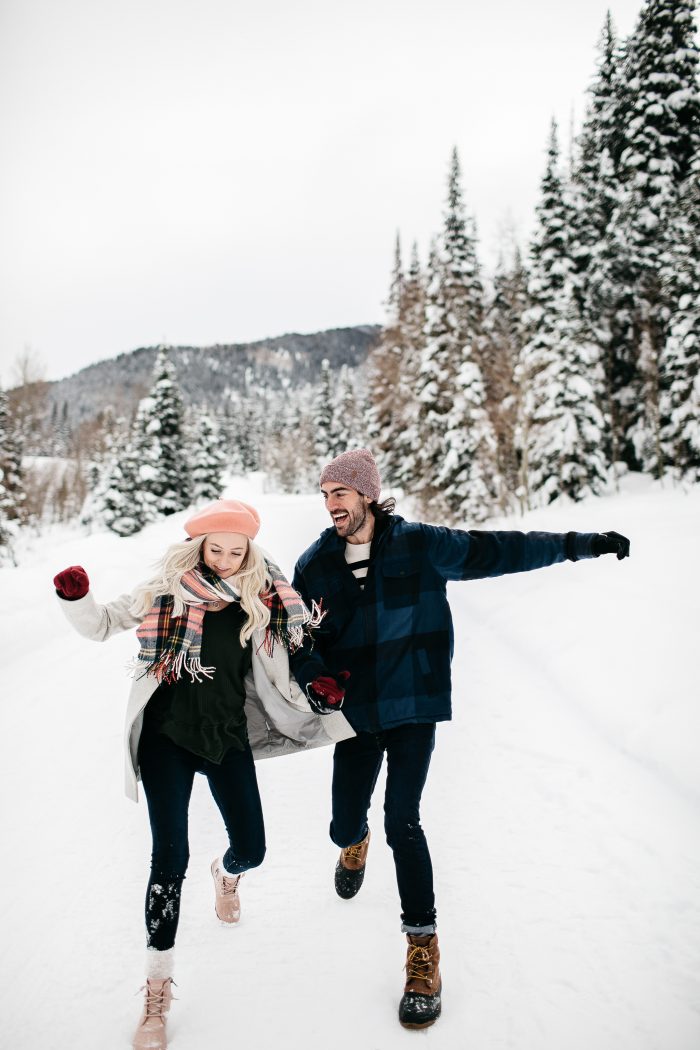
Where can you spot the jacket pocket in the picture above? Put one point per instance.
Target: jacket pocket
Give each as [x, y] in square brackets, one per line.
[423, 662]
[401, 584]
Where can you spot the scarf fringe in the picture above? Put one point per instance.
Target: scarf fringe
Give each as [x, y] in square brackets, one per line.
[292, 638]
[317, 614]
[292, 635]
[170, 666]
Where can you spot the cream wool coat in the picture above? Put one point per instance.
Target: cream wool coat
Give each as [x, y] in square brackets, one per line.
[278, 714]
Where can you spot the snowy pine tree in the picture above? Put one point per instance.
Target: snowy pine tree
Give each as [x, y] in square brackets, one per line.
[244, 430]
[206, 455]
[560, 372]
[599, 259]
[147, 473]
[680, 358]
[322, 414]
[6, 529]
[382, 367]
[347, 426]
[505, 332]
[100, 448]
[599, 147]
[406, 405]
[160, 444]
[457, 447]
[12, 495]
[119, 501]
[393, 369]
[289, 452]
[662, 138]
[61, 431]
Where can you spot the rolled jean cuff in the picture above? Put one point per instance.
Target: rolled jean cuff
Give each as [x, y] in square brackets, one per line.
[418, 931]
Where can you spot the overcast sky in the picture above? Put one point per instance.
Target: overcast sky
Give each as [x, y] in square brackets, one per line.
[202, 171]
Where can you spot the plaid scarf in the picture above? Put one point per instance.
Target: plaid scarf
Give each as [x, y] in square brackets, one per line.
[170, 643]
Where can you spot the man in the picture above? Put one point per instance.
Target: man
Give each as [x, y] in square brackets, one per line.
[384, 648]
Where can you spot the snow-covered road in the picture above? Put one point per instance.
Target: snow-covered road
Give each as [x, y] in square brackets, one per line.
[562, 813]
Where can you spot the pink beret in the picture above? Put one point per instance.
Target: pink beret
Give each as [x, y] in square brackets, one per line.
[357, 470]
[224, 515]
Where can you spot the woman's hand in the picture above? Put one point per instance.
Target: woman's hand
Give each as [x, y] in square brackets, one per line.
[72, 583]
[326, 694]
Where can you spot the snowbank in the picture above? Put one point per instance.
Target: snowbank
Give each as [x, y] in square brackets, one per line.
[561, 812]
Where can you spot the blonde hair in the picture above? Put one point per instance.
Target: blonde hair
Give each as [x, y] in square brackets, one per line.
[250, 580]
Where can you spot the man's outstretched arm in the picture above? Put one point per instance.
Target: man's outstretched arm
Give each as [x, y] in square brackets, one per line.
[462, 555]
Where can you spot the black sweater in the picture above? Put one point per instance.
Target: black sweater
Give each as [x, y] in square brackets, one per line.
[208, 717]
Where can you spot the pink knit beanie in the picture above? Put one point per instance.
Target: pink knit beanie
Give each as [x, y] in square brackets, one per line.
[224, 515]
[355, 469]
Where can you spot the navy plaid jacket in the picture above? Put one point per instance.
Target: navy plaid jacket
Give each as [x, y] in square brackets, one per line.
[395, 637]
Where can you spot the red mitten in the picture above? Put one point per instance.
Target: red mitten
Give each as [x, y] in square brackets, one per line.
[72, 583]
[326, 694]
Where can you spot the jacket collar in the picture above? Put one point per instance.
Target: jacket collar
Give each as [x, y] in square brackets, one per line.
[331, 542]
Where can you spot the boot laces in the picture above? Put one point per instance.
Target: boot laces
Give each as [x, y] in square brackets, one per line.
[155, 1001]
[354, 852]
[419, 965]
[230, 885]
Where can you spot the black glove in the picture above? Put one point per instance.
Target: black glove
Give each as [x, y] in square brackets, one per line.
[611, 543]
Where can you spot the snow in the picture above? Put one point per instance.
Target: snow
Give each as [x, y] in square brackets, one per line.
[561, 810]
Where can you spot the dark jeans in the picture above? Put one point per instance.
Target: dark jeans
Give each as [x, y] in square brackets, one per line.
[167, 774]
[356, 765]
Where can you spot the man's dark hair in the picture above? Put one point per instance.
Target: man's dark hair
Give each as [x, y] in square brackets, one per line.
[384, 509]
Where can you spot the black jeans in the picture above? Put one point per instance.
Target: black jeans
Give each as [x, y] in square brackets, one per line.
[356, 765]
[167, 774]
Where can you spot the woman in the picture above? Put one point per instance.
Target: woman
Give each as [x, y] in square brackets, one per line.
[211, 692]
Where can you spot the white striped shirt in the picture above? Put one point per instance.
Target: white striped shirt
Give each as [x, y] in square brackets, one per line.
[357, 557]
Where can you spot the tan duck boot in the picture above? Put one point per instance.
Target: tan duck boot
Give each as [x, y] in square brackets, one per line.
[350, 869]
[227, 903]
[422, 996]
[151, 1031]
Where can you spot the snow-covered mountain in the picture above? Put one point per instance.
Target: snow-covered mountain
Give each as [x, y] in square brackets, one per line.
[207, 375]
[561, 812]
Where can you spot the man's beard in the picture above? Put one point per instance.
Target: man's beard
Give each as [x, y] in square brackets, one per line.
[355, 521]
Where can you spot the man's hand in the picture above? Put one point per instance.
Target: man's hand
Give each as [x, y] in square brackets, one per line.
[72, 583]
[611, 543]
[326, 694]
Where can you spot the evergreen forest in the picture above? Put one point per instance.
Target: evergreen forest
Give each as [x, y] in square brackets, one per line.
[576, 361]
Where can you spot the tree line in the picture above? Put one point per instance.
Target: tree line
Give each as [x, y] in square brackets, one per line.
[124, 470]
[583, 358]
[580, 360]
